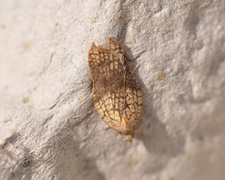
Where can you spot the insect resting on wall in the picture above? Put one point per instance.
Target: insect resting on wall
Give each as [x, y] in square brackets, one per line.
[116, 94]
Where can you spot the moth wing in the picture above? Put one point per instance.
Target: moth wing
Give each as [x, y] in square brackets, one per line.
[132, 86]
[116, 92]
[115, 47]
[108, 73]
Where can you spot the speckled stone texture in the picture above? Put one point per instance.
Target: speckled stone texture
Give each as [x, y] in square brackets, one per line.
[48, 126]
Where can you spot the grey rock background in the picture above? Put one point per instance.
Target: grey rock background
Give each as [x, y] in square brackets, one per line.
[48, 128]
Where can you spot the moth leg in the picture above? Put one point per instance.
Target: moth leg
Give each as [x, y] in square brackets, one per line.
[135, 68]
[107, 127]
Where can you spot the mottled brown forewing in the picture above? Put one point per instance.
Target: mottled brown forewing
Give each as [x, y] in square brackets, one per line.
[116, 92]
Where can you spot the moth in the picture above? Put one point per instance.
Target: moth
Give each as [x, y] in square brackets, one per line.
[116, 94]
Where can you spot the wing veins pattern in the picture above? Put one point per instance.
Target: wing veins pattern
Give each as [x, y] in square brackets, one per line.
[116, 92]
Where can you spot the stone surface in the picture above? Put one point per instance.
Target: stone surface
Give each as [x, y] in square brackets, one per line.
[48, 129]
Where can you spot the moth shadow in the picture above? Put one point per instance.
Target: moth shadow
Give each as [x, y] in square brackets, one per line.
[154, 133]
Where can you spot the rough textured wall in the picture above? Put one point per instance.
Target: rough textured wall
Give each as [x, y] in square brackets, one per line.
[48, 126]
